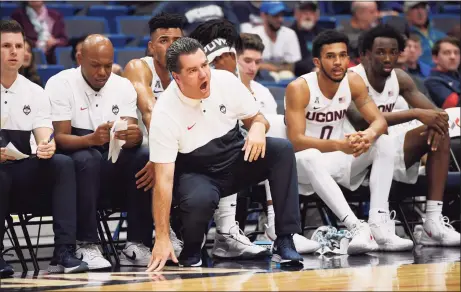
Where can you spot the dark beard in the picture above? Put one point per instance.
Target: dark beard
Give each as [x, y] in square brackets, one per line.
[273, 28]
[331, 78]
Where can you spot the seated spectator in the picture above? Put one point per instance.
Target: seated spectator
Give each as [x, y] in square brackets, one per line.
[444, 83]
[247, 13]
[417, 13]
[249, 60]
[77, 47]
[307, 15]
[364, 16]
[414, 51]
[281, 43]
[86, 102]
[29, 68]
[47, 177]
[196, 12]
[456, 32]
[44, 27]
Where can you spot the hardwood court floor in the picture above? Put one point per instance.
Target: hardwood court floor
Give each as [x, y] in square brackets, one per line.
[434, 269]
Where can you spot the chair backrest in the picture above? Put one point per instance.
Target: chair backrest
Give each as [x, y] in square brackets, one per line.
[109, 12]
[39, 56]
[454, 122]
[278, 128]
[6, 9]
[63, 57]
[327, 22]
[66, 9]
[136, 26]
[47, 71]
[78, 26]
[279, 96]
[124, 55]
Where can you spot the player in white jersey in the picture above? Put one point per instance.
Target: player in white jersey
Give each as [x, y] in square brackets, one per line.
[316, 106]
[150, 77]
[380, 49]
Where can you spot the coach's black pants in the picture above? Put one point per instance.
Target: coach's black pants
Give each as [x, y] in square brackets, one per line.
[116, 182]
[197, 195]
[28, 185]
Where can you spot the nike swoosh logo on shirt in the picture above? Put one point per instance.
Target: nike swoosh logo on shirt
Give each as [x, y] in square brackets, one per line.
[83, 108]
[188, 128]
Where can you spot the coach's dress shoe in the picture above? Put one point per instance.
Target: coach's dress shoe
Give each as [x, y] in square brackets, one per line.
[64, 261]
[5, 269]
[284, 251]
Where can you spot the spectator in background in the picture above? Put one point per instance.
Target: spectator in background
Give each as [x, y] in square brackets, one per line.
[196, 12]
[456, 32]
[307, 15]
[417, 13]
[77, 47]
[249, 60]
[444, 83]
[364, 16]
[247, 13]
[414, 51]
[29, 68]
[44, 28]
[281, 44]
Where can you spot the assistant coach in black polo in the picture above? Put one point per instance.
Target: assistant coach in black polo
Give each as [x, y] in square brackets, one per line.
[200, 155]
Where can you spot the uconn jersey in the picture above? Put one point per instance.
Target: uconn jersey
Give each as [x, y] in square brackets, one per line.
[325, 117]
[156, 84]
[388, 97]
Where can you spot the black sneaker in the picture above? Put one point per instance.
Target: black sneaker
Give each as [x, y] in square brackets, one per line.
[5, 269]
[190, 259]
[284, 251]
[64, 261]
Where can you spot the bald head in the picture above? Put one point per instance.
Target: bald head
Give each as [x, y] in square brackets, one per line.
[365, 13]
[96, 59]
[360, 5]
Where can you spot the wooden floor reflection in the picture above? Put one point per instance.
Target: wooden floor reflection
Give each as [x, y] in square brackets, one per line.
[432, 270]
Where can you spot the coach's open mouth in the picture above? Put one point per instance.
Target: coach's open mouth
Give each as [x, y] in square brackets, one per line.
[204, 86]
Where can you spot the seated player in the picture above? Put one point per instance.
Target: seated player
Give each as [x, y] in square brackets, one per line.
[316, 105]
[381, 48]
[25, 109]
[86, 101]
[200, 156]
[150, 76]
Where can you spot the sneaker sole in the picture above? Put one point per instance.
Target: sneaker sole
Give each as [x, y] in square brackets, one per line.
[199, 264]
[243, 256]
[100, 267]
[278, 259]
[127, 262]
[59, 269]
[6, 273]
[360, 249]
[385, 247]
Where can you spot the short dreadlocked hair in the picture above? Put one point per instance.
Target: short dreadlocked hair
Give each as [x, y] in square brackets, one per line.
[213, 29]
[165, 20]
[381, 31]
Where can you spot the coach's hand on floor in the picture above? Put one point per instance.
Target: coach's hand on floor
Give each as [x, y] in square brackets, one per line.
[4, 157]
[145, 177]
[162, 251]
[45, 149]
[255, 142]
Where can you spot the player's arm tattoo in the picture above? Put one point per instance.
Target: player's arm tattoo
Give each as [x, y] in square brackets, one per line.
[359, 103]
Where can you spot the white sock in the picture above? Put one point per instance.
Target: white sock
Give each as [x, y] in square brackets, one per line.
[376, 215]
[270, 215]
[311, 168]
[224, 216]
[433, 209]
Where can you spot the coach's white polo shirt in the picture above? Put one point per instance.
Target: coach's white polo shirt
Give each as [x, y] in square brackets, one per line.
[201, 135]
[73, 99]
[24, 107]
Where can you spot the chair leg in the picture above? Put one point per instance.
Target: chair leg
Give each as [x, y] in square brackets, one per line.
[17, 247]
[28, 242]
[103, 240]
[109, 237]
[406, 226]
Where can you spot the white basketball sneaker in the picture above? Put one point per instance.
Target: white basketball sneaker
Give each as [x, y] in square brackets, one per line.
[135, 254]
[177, 244]
[90, 253]
[383, 230]
[437, 232]
[236, 245]
[362, 240]
[303, 245]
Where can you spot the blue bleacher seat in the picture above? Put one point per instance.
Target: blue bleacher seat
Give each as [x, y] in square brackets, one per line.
[66, 9]
[39, 56]
[451, 8]
[136, 26]
[327, 22]
[6, 9]
[445, 22]
[46, 71]
[279, 96]
[144, 41]
[63, 57]
[124, 55]
[119, 40]
[110, 12]
[77, 26]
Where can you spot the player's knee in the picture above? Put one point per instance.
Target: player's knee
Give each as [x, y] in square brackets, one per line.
[385, 146]
[203, 200]
[444, 144]
[62, 162]
[280, 146]
[311, 155]
[87, 158]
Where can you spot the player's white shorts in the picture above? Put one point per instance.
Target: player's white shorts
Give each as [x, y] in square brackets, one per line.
[397, 133]
[338, 165]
